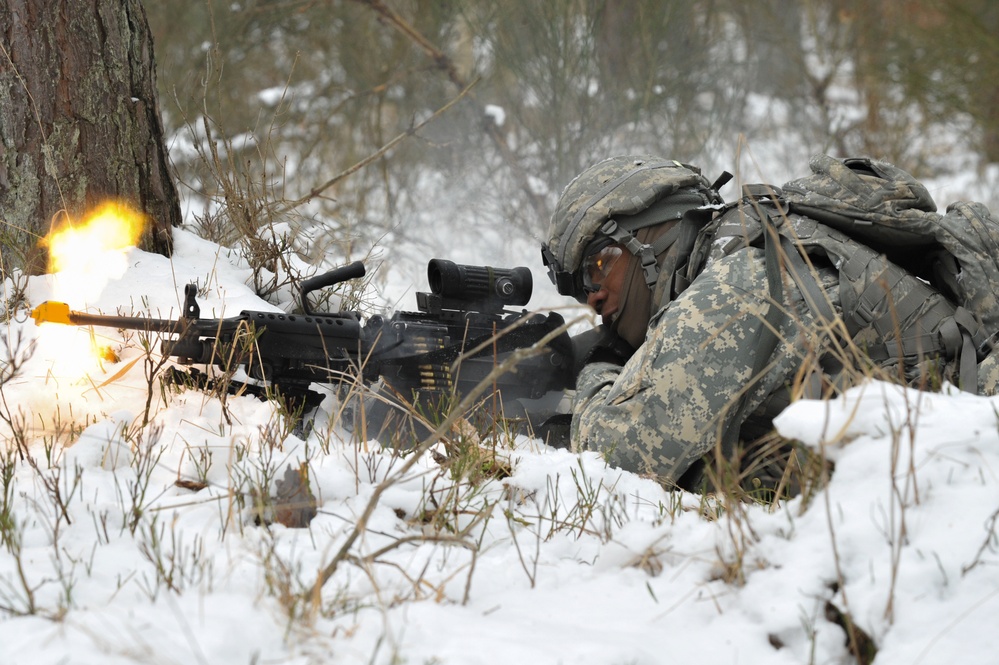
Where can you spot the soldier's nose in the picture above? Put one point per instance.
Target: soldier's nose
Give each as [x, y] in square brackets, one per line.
[596, 299]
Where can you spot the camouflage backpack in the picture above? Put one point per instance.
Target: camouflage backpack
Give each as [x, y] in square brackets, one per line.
[913, 283]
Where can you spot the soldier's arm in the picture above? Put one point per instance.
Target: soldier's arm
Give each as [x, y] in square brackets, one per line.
[666, 407]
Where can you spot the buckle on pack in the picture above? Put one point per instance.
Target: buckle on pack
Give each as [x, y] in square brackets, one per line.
[649, 266]
[763, 193]
[988, 345]
[863, 313]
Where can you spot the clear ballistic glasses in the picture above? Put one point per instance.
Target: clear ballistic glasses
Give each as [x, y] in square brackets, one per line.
[597, 266]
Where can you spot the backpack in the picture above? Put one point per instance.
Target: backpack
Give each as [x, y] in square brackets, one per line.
[913, 283]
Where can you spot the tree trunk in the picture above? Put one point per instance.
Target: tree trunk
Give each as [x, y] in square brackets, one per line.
[79, 121]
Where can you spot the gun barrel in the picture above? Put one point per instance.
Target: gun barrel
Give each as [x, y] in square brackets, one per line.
[59, 312]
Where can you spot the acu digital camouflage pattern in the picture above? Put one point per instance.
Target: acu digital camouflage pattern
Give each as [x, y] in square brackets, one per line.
[615, 186]
[988, 374]
[670, 403]
[678, 395]
[890, 211]
[899, 321]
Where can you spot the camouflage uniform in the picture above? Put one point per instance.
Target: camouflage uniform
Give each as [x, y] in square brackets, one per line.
[700, 380]
[674, 399]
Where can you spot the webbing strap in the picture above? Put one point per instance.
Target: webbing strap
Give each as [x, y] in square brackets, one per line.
[907, 306]
[767, 337]
[642, 251]
[968, 378]
[775, 313]
[663, 242]
[875, 297]
[813, 294]
[968, 363]
[856, 265]
[954, 338]
[955, 330]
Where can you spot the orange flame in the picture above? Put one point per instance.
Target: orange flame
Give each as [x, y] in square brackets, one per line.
[80, 248]
[83, 258]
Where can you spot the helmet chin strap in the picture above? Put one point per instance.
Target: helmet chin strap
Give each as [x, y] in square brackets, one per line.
[636, 301]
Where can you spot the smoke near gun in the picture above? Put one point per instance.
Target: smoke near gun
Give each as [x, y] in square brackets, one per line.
[83, 257]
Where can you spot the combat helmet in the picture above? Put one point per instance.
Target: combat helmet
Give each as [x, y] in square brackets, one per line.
[611, 200]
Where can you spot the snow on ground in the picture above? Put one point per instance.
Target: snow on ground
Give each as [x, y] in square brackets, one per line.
[106, 558]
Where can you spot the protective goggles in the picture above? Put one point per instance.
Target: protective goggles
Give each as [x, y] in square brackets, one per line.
[597, 264]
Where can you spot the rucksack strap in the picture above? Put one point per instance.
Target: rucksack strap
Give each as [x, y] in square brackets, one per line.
[942, 330]
[768, 335]
[966, 324]
[953, 333]
[814, 295]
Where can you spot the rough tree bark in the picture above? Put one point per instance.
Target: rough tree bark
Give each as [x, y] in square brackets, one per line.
[79, 120]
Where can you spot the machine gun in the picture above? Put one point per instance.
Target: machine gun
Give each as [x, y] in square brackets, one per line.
[415, 361]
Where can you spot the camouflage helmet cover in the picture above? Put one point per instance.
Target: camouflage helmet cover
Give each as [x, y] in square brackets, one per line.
[619, 186]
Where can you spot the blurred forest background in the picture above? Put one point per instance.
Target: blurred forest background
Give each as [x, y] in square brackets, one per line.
[269, 104]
